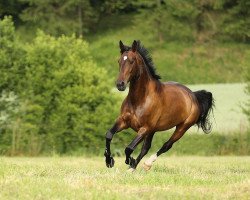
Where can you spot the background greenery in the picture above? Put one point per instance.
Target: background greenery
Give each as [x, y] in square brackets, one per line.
[58, 62]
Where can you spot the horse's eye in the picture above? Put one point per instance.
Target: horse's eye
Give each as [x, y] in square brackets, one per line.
[131, 61]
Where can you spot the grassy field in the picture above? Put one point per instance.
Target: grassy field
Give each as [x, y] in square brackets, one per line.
[229, 99]
[88, 178]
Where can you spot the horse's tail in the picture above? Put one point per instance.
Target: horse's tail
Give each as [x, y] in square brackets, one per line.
[206, 104]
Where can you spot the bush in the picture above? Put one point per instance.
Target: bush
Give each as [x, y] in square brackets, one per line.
[65, 103]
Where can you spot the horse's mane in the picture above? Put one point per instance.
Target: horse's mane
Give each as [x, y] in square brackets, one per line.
[147, 59]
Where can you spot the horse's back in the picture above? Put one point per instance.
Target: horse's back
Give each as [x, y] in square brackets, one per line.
[177, 85]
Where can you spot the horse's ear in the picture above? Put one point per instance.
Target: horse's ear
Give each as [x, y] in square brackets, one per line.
[122, 47]
[134, 46]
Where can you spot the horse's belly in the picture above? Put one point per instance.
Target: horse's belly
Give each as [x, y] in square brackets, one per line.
[168, 123]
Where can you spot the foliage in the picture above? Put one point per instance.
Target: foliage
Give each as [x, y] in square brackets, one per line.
[68, 16]
[57, 17]
[64, 98]
[236, 23]
[192, 20]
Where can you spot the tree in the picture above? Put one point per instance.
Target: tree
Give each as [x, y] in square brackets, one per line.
[236, 23]
[60, 17]
[64, 101]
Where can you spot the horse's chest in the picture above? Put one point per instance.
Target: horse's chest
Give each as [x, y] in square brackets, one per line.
[140, 114]
[144, 108]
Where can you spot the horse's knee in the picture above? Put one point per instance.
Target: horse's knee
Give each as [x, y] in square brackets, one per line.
[128, 151]
[109, 135]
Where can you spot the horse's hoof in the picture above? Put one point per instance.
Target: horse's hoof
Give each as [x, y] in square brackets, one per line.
[131, 170]
[146, 167]
[110, 162]
[131, 162]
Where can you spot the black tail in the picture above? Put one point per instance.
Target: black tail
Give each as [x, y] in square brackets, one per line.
[206, 104]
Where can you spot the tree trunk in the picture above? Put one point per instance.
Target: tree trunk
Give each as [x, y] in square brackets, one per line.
[80, 19]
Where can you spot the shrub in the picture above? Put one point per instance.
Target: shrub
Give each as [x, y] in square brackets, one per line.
[64, 98]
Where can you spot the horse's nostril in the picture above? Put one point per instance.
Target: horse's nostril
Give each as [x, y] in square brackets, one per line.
[120, 84]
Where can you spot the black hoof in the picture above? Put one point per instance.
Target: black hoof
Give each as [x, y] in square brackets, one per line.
[127, 161]
[131, 162]
[110, 162]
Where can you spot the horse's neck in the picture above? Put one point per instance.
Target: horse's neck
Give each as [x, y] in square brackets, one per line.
[138, 89]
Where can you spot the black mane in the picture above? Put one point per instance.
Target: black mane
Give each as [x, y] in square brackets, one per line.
[147, 59]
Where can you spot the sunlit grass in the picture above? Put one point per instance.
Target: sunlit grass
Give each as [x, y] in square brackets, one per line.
[88, 178]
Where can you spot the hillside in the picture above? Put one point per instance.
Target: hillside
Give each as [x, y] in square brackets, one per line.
[182, 61]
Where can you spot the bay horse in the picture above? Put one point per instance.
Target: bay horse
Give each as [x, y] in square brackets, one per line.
[152, 106]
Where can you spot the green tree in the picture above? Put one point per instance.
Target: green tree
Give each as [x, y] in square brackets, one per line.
[168, 19]
[11, 54]
[64, 100]
[236, 23]
[60, 17]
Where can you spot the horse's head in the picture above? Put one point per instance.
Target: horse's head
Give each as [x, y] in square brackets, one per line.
[129, 63]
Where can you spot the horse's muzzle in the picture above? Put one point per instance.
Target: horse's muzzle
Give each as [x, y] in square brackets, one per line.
[121, 86]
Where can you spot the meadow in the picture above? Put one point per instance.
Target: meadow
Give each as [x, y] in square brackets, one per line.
[62, 105]
[88, 178]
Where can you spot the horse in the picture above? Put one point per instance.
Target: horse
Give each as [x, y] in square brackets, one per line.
[153, 106]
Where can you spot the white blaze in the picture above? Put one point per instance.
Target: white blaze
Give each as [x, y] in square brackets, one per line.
[125, 57]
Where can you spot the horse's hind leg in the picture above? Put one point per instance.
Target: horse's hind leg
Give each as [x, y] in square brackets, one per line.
[131, 147]
[129, 150]
[178, 133]
[144, 150]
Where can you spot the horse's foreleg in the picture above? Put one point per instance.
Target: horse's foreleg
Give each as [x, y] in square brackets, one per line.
[178, 133]
[118, 126]
[131, 147]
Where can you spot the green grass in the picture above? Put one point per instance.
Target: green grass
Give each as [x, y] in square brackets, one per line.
[88, 178]
[229, 99]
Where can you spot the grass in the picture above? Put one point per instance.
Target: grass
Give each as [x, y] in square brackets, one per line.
[88, 178]
[229, 99]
